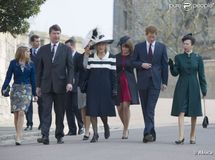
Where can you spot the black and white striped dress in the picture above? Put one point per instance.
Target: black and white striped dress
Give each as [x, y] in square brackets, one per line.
[102, 85]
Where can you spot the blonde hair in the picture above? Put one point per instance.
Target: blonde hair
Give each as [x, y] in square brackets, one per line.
[21, 54]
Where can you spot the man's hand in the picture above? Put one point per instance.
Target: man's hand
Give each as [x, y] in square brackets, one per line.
[146, 65]
[68, 87]
[35, 99]
[163, 87]
[38, 91]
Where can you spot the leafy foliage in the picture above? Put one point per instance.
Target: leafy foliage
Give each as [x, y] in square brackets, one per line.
[15, 13]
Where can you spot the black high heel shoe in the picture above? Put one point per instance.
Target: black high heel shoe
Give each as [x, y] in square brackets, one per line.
[125, 137]
[86, 137]
[18, 143]
[179, 141]
[107, 131]
[95, 138]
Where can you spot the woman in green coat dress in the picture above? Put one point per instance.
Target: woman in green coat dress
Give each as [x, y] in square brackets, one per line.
[187, 99]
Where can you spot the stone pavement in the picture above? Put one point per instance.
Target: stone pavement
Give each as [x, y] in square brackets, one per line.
[115, 148]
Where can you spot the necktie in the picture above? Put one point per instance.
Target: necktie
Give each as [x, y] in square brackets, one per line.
[34, 52]
[53, 52]
[150, 55]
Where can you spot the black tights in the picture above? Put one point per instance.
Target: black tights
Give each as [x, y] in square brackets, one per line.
[94, 123]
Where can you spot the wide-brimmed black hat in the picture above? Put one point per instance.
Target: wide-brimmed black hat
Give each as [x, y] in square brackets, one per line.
[123, 40]
[190, 37]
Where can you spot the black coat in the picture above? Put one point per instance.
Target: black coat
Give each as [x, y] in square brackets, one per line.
[129, 72]
[101, 85]
[34, 58]
[77, 62]
[54, 75]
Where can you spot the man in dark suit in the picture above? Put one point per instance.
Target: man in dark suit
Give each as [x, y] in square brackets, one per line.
[72, 110]
[35, 42]
[151, 62]
[54, 79]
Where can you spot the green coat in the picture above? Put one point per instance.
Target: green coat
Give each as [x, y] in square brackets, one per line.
[190, 69]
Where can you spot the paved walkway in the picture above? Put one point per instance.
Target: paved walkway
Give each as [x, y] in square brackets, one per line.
[115, 148]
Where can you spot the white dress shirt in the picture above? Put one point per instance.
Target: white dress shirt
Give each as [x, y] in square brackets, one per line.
[55, 49]
[152, 46]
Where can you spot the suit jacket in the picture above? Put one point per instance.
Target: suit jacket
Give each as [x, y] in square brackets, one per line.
[54, 76]
[76, 61]
[34, 58]
[159, 70]
[81, 70]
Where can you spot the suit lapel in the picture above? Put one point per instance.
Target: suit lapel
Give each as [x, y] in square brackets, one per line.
[155, 51]
[145, 51]
[57, 52]
[49, 54]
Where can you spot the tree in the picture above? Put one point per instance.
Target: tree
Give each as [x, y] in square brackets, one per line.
[14, 15]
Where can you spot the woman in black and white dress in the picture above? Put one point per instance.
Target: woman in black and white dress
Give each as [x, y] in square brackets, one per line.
[101, 85]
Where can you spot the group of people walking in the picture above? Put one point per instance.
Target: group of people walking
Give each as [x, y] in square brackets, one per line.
[96, 81]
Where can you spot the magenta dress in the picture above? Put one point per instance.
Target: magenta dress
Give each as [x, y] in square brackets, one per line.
[125, 95]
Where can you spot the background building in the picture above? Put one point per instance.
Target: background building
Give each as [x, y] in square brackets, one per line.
[131, 17]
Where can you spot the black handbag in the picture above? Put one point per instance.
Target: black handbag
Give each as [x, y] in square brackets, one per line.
[6, 92]
[205, 122]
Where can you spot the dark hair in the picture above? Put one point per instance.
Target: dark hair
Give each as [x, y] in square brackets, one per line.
[54, 27]
[128, 44]
[151, 29]
[189, 37]
[123, 40]
[33, 37]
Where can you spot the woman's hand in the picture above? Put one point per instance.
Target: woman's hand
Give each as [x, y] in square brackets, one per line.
[171, 63]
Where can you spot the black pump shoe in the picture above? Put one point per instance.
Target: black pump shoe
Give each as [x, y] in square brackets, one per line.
[179, 141]
[95, 138]
[107, 132]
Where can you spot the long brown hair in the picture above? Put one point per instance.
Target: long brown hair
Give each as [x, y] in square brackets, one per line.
[22, 54]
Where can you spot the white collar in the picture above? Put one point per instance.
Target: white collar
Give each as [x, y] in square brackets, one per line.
[189, 52]
[74, 51]
[55, 44]
[105, 57]
[36, 49]
[153, 43]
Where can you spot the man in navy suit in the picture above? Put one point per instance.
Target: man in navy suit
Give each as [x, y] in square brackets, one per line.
[151, 61]
[35, 42]
[72, 110]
